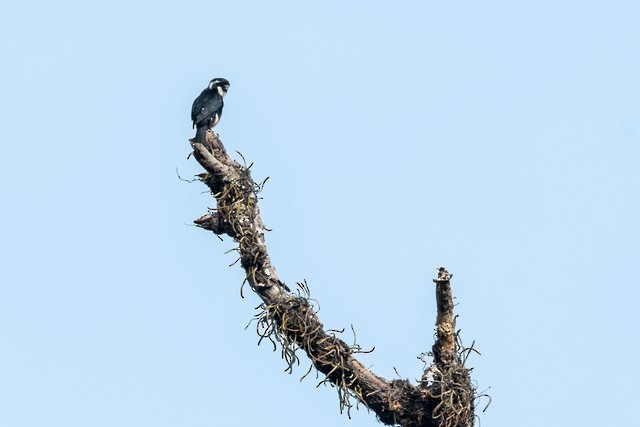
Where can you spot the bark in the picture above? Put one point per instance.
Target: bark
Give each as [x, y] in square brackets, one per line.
[443, 397]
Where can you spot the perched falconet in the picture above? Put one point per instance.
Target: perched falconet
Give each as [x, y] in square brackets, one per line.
[207, 107]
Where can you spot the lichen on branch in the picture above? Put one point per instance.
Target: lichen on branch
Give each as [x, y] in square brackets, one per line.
[445, 395]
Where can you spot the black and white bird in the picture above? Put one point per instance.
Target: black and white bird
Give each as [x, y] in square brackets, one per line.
[207, 107]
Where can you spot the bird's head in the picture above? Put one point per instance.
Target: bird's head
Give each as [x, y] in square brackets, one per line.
[220, 84]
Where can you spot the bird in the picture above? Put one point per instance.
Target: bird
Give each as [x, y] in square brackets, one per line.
[207, 107]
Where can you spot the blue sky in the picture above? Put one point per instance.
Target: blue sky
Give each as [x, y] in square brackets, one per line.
[499, 139]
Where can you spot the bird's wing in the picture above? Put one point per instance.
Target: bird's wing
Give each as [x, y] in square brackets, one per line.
[195, 109]
[205, 106]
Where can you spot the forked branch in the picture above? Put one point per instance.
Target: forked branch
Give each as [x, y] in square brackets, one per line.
[444, 397]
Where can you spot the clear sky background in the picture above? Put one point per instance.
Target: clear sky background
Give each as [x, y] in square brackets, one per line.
[497, 138]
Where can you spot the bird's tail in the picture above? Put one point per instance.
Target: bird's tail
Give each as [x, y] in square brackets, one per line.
[201, 135]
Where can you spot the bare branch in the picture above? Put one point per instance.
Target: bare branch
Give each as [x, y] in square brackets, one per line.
[444, 350]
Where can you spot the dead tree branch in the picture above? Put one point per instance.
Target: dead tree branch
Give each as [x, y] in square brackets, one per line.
[444, 397]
